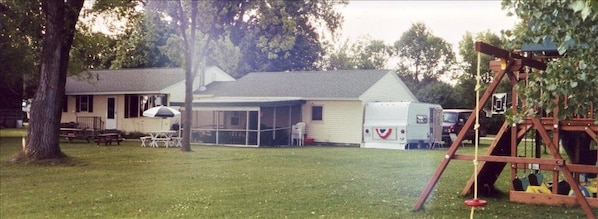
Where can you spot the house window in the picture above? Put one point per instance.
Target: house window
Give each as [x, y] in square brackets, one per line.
[135, 104]
[316, 113]
[131, 106]
[84, 103]
[234, 119]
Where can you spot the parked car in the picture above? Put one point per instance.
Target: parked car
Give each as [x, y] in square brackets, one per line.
[453, 121]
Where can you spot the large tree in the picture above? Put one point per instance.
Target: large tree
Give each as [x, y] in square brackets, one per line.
[422, 57]
[573, 27]
[60, 18]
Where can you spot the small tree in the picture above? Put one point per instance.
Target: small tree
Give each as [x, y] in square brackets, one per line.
[423, 57]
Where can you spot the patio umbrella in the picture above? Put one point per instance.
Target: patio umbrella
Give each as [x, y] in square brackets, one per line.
[161, 111]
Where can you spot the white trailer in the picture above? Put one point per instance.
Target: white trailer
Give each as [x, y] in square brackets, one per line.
[402, 125]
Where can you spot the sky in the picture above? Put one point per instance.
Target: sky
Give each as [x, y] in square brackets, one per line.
[449, 20]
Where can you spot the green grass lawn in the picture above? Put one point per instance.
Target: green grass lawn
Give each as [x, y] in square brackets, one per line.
[129, 181]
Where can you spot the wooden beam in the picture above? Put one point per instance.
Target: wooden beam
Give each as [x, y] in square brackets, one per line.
[504, 54]
[508, 159]
[576, 168]
[547, 199]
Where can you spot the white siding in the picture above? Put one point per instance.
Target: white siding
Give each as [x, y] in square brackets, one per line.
[388, 88]
[139, 124]
[341, 121]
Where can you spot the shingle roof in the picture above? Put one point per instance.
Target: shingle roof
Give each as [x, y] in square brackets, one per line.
[125, 80]
[304, 84]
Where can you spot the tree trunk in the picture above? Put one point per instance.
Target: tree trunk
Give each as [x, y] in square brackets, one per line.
[46, 107]
[189, 47]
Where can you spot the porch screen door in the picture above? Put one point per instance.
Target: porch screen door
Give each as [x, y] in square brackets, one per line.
[111, 113]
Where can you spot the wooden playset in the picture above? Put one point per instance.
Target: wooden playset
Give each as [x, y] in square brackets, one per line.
[553, 179]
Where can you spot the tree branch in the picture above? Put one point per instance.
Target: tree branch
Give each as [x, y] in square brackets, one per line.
[5, 10]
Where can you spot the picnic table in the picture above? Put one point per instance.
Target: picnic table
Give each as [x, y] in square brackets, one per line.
[74, 133]
[108, 138]
[165, 136]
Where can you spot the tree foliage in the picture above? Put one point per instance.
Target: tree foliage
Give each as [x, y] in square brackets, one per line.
[470, 56]
[281, 35]
[20, 46]
[371, 54]
[422, 56]
[91, 50]
[573, 27]
[366, 53]
[439, 93]
[139, 46]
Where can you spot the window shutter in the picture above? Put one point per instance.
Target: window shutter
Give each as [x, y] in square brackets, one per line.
[65, 103]
[164, 100]
[135, 106]
[127, 97]
[77, 103]
[90, 104]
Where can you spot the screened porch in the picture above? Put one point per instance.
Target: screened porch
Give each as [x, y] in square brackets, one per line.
[247, 124]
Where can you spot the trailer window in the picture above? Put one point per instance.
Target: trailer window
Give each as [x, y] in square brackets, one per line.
[422, 119]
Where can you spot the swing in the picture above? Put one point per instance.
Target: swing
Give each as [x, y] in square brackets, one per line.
[563, 188]
[475, 202]
[520, 184]
[535, 179]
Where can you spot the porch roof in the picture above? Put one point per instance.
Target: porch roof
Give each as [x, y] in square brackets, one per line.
[121, 81]
[244, 102]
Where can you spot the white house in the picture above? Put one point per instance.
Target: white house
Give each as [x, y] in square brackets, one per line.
[260, 108]
[116, 99]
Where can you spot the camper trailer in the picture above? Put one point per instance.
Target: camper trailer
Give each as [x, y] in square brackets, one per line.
[402, 125]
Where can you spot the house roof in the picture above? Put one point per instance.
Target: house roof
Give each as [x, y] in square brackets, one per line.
[149, 80]
[343, 84]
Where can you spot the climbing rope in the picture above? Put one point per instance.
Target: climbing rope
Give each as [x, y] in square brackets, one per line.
[475, 202]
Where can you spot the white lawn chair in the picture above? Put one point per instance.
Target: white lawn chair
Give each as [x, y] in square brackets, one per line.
[298, 133]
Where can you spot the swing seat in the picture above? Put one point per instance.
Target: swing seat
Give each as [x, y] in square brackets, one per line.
[539, 189]
[520, 184]
[563, 188]
[584, 191]
[476, 203]
[535, 179]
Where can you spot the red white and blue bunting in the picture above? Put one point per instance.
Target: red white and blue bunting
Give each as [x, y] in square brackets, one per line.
[385, 134]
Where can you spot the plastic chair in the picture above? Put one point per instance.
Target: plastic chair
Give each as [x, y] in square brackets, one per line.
[298, 133]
